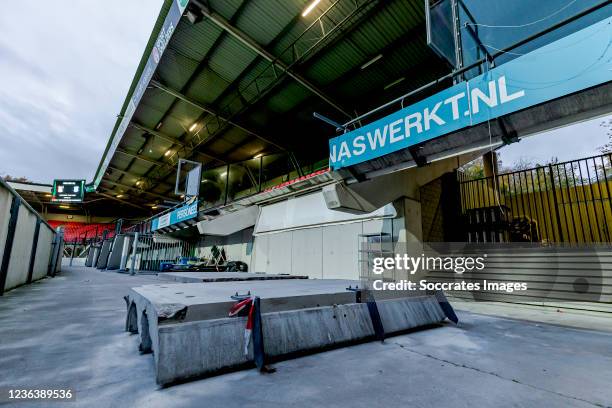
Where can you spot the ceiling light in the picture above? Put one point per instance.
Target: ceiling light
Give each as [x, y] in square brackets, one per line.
[397, 81]
[48, 195]
[119, 195]
[65, 207]
[139, 182]
[192, 127]
[182, 195]
[159, 125]
[167, 153]
[370, 62]
[154, 207]
[223, 174]
[258, 155]
[310, 7]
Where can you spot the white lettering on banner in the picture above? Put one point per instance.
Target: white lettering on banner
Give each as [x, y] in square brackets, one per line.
[186, 212]
[423, 120]
[490, 99]
[503, 92]
[454, 101]
[429, 116]
[379, 138]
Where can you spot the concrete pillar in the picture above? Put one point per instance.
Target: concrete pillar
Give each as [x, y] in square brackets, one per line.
[408, 225]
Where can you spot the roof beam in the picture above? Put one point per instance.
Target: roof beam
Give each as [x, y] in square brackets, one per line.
[143, 158]
[210, 111]
[170, 139]
[152, 194]
[156, 133]
[241, 36]
[122, 201]
[127, 173]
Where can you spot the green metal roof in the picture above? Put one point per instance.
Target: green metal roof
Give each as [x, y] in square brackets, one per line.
[220, 65]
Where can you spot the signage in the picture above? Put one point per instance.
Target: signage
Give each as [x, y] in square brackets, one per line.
[571, 64]
[68, 191]
[184, 213]
[165, 33]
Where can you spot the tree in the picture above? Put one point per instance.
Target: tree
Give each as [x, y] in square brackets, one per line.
[21, 179]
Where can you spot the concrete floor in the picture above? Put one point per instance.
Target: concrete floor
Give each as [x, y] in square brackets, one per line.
[69, 330]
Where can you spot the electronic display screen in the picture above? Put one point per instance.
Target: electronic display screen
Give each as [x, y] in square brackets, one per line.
[68, 191]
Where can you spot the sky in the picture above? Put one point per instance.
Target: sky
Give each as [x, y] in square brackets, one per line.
[66, 67]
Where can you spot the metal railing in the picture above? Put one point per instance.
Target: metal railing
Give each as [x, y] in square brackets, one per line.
[152, 250]
[560, 202]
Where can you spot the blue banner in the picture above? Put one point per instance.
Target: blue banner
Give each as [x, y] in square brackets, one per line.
[576, 62]
[183, 213]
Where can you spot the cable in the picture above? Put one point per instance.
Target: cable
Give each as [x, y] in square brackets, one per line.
[493, 165]
[526, 24]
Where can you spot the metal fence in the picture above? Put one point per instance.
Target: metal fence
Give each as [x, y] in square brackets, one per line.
[559, 202]
[153, 249]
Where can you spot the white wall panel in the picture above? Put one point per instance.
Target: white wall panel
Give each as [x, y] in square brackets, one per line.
[22, 248]
[307, 252]
[6, 199]
[43, 252]
[279, 257]
[340, 243]
[260, 254]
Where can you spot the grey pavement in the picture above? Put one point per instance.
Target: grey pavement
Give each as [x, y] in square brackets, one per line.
[69, 331]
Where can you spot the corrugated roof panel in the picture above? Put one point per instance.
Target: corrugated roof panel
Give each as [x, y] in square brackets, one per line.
[175, 69]
[335, 63]
[207, 86]
[230, 58]
[226, 8]
[276, 14]
[218, 147]
[185, 114]
[287, 97]
[195, 40]
[156, 100]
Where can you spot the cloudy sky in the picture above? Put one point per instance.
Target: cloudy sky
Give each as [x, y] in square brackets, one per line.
[66, 66]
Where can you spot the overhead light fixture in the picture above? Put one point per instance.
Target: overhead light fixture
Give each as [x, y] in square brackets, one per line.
[308, 9]
[397, 81]
[223, 174]
[193, 17]
[182, 195]
[159, 125]
[119, 195]
[139, 182]
[154, 207]
[192, 127]
[258, 155]
[64, 207]
[48, 195]
[370, 62]
[167, 153]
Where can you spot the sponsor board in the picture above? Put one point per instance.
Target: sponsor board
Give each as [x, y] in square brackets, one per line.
[574, 63]
[183, 213]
